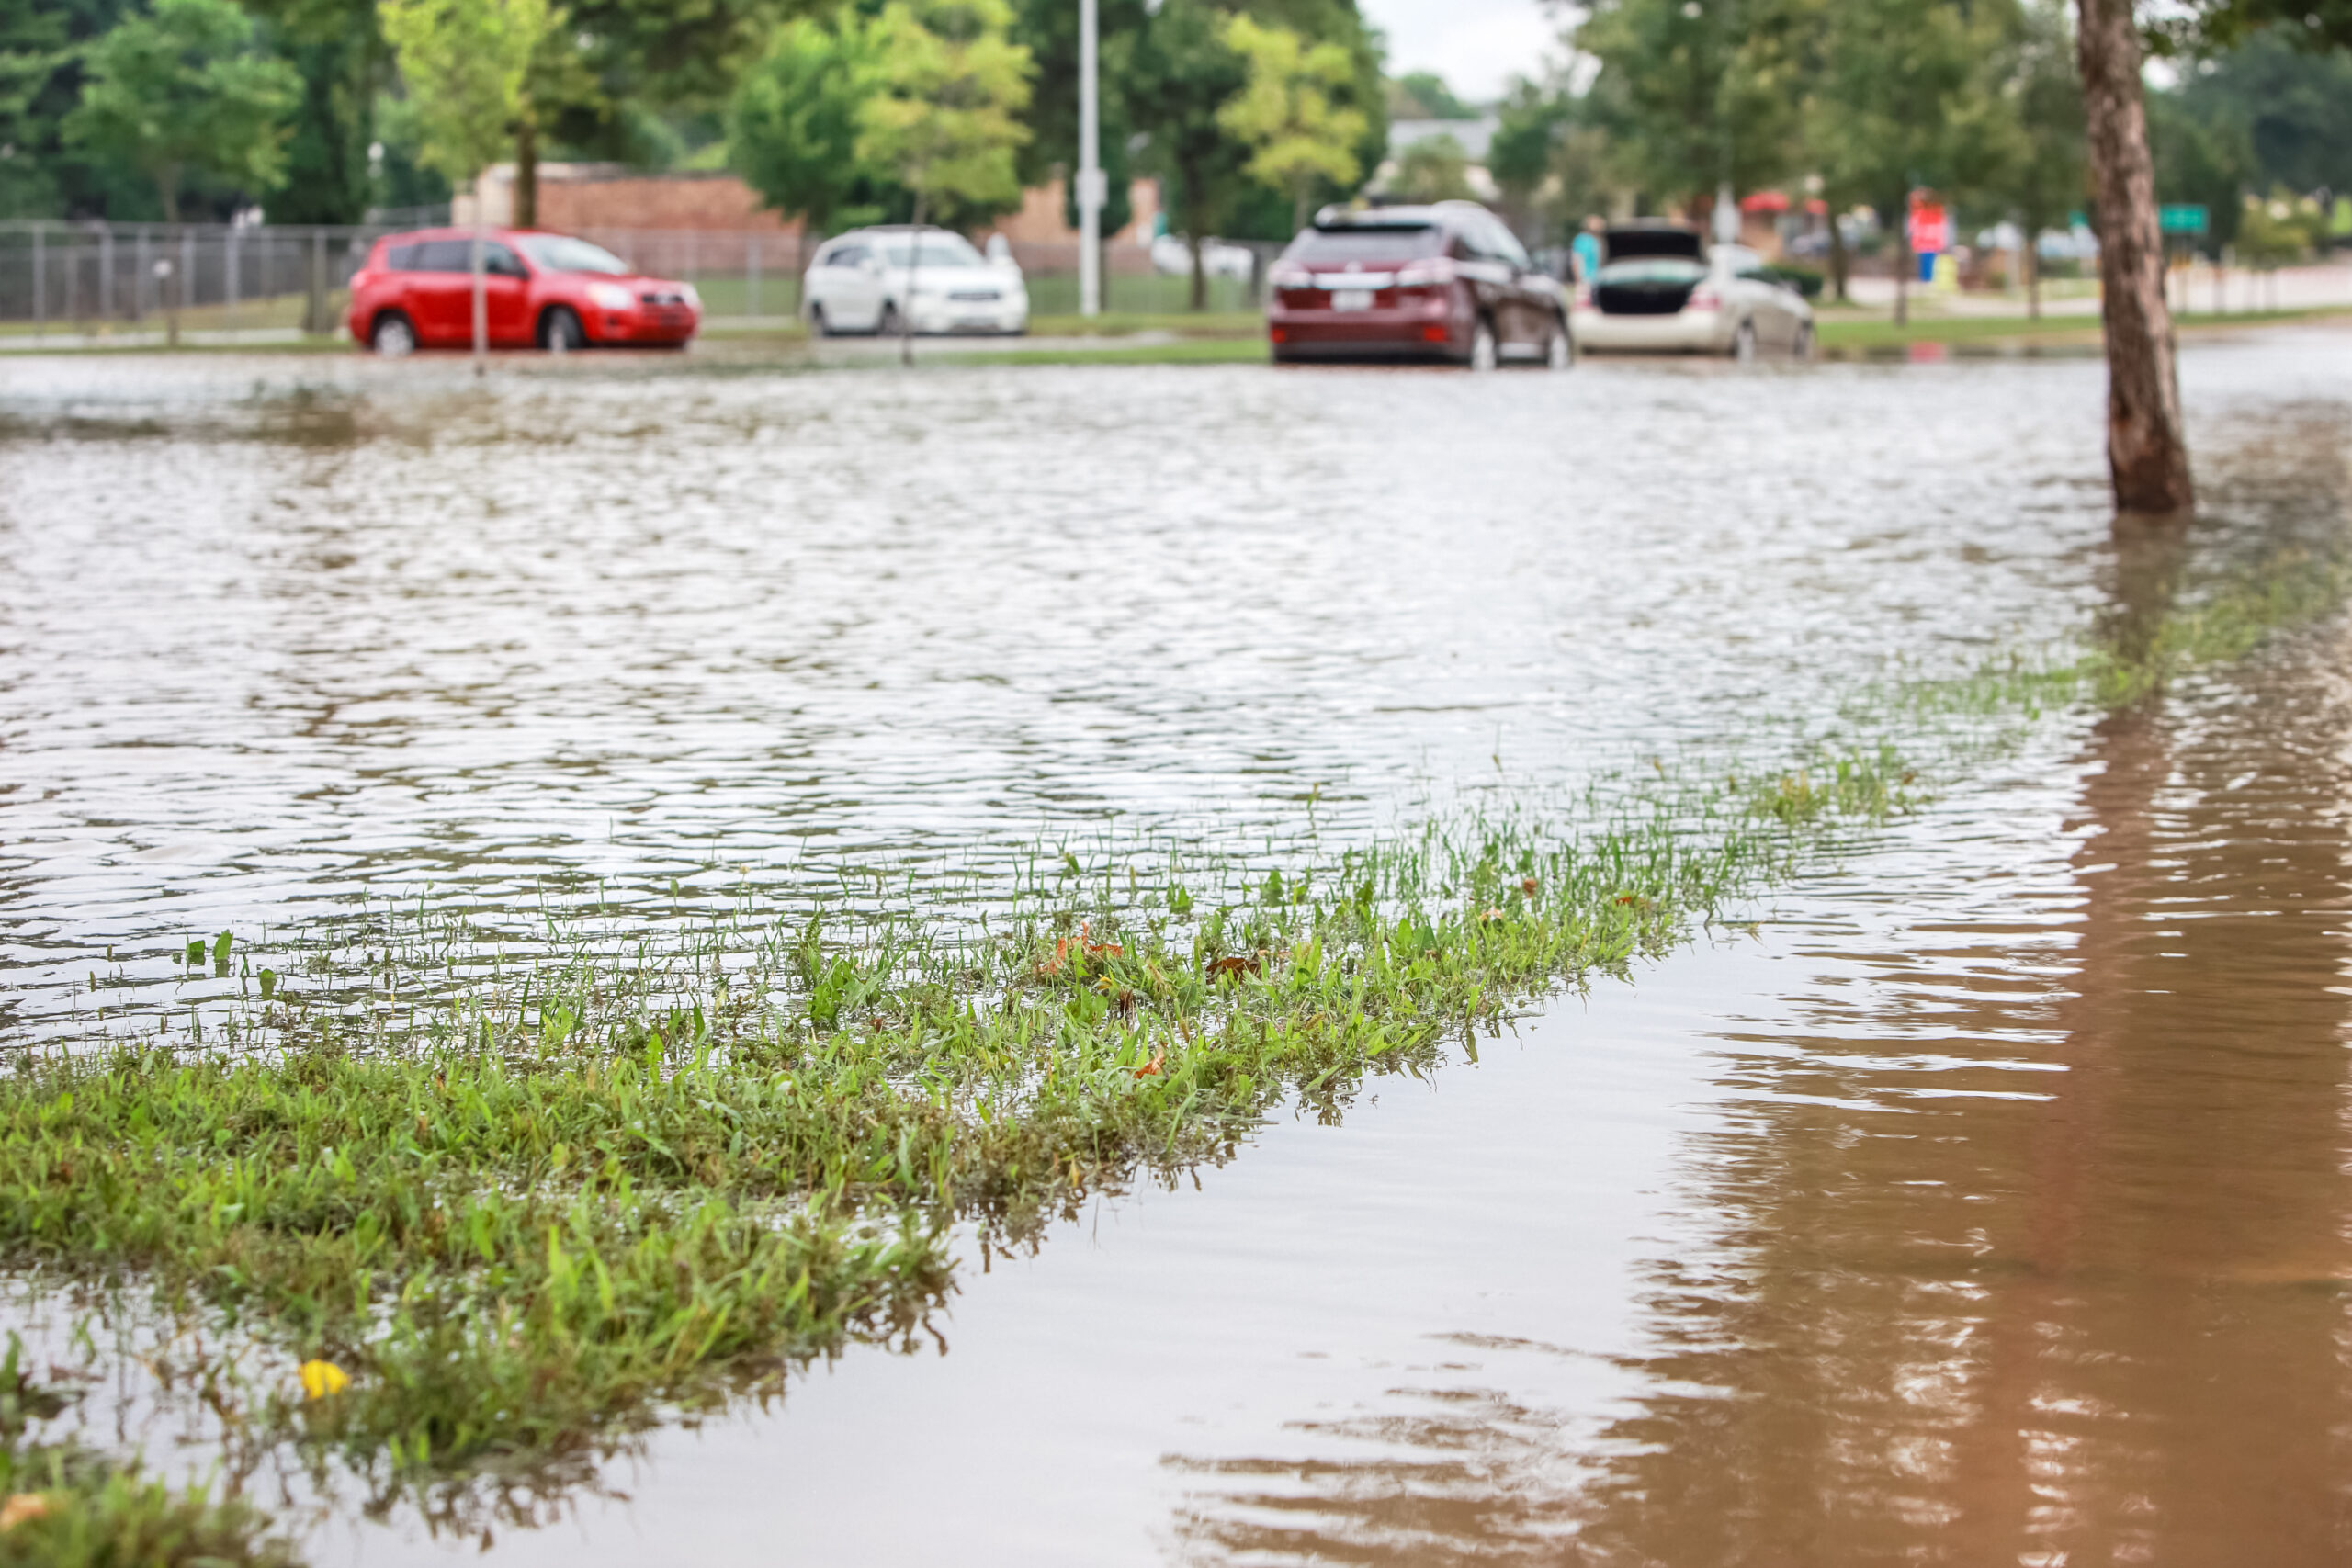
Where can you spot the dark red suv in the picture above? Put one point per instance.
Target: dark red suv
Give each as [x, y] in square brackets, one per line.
[417, 291]
[1447, 282]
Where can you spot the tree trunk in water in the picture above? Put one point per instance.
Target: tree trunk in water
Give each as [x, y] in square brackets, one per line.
[167, 185]
[907, 306]
[2146, 454]
[1840, 264]
[527, 170]
[2030, 261]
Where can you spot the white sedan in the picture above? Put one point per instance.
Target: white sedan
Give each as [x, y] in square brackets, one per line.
[1729, 303]
[886, 280]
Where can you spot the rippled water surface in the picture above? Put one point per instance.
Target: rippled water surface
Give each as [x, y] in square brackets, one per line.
[1986, 1202]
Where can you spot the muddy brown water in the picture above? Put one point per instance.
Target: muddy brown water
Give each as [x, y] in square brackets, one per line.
[1986, 1200]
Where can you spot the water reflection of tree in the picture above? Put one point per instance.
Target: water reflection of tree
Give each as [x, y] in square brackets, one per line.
[2101, 1320]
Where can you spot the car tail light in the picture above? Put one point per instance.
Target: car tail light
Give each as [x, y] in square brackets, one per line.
[1278, 334]
[1703, 299]
[1425, 274]
[1432, 334]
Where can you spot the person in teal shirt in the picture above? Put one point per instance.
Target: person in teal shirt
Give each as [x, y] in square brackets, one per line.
[1587, 248]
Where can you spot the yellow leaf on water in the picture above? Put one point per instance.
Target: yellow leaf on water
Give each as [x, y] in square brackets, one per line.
[321, 1379]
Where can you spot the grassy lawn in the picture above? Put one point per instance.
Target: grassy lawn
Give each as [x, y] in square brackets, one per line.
[1837, 332]
[1184, 323]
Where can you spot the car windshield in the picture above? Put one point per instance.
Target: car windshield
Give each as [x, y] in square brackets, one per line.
[1399, 243]
[560, 253]
[1654, 269]
[938, 250]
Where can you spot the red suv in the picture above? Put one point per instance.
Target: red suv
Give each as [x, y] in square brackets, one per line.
[417, 291]
[1447, 282]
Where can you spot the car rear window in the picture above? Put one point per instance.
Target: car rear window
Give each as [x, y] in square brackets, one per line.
[1652, 269]
[1397, 244]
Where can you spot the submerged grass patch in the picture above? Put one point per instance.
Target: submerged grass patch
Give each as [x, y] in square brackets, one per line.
[64, 1506]
[527, 1205]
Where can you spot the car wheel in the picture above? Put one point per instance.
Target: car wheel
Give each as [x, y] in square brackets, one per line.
[817, 326]
[1743, 343]
[561, 331]
[1559, 349]
[888, 326]
[1802, 347]
[1482, 347]
[393, 338]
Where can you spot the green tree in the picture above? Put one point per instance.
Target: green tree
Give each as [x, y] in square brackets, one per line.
[338, 51]
[1183, 75]
[1049, 30]
[1300, 131]
[1433, 169]
[792, 128]
[2221, 24]
[2044, 177]
[465, 62]
[1906, 97]
[184, 91]
[1554, 166]
[2203, 161]
[1695, 94]
[1423, 94]
[604, 78]
[943, 119]
[2288, 107]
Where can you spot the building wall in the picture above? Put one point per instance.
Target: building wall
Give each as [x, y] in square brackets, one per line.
[604, 196]
[577, 196]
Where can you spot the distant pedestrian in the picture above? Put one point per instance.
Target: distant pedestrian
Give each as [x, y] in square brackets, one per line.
[1586, 247]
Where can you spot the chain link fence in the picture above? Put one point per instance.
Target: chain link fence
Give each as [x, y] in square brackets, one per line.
[216, 283]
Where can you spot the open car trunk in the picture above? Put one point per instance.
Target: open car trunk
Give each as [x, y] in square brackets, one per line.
[1647, 285]
[1626, 242]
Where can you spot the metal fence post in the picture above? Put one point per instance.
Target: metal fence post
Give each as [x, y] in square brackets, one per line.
[315, 309]
[187, 268]
[106, 272]
[40, 281]
[229, 280]
[139, 277]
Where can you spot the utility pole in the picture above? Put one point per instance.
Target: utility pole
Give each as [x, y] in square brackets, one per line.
[1090, 165]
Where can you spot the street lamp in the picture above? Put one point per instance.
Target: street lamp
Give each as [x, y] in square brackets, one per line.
[1090, 167]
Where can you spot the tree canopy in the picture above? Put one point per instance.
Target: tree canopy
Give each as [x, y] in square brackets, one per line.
[183, 90]
[465, 62]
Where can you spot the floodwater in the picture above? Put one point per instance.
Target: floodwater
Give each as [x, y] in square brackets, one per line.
[1986, 1201]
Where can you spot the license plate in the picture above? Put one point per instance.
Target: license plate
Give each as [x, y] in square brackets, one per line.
[1352, 299]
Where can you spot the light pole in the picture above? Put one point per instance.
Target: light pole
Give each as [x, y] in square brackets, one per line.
[1090, 167]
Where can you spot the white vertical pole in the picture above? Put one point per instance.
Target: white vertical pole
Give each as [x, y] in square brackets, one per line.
[1089, 167]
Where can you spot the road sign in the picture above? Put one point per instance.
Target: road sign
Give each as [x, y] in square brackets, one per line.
[2181, 218]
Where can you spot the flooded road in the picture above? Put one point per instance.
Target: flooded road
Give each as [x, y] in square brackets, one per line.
[1986, 1201]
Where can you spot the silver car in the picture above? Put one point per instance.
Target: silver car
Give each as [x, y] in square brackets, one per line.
[888, 280]
[1662, 289]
